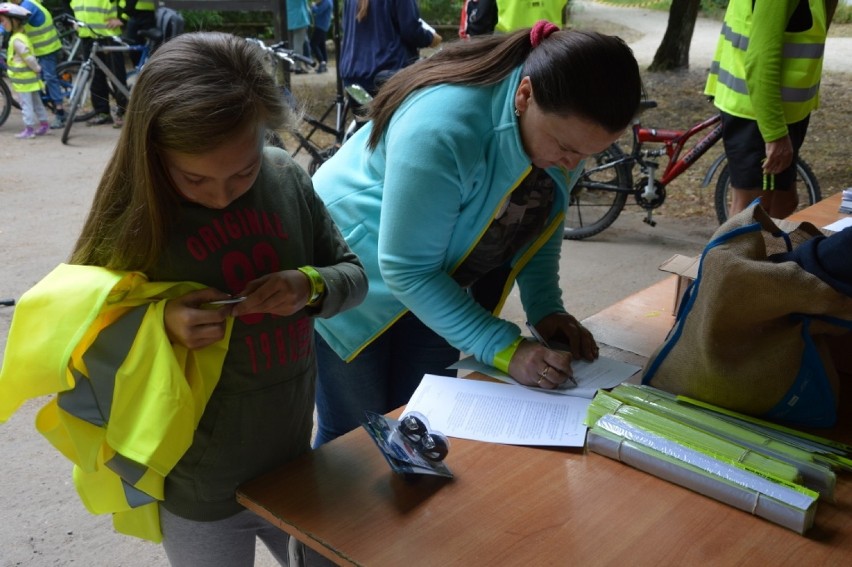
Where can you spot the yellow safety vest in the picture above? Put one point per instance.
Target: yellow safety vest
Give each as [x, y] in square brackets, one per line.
[127, 401]
[95, 13]
[732, 73]
[141, 5]
[44, 37]
[23, 79]
[517, 14]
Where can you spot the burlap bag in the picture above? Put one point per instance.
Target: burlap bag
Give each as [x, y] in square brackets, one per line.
[750, 333]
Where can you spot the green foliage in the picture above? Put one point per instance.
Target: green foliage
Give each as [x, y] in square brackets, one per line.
[843, 15]
[714, 8]
[255, 24]
[441, 12]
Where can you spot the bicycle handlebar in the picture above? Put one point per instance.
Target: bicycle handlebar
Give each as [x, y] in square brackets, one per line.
[282, 52]
[115, 38]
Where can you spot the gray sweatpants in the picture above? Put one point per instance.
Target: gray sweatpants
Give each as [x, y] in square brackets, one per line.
[230, 542]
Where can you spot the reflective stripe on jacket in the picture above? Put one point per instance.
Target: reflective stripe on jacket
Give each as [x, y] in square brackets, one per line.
[23, 79]
[95, 14]
[44, 37]
[128, 401]
[762, 71]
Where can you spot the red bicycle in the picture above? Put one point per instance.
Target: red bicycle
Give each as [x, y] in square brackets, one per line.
[601, 193]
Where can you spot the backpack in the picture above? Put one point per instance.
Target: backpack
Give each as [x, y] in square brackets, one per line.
[169, 22]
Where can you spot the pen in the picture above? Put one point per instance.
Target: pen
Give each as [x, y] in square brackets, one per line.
[543, 343]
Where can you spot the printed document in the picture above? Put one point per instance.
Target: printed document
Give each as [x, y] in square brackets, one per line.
[499, 413]
[603, 373]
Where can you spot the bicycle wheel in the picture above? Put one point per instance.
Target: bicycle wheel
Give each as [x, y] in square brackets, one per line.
[67, 73]
[807, 188]
[592, 208]
[5, 101]
[80, 93]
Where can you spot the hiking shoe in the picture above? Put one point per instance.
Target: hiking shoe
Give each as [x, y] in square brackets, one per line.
[99, 119]
[58, 122]
[25, 134]
[43, 128]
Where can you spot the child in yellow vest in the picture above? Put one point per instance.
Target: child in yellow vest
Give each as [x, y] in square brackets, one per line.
[24, 71]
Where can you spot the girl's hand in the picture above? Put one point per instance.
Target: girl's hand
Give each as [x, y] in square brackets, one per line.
[190, 324]
[563, 331]
[536, 365]
[281, 293]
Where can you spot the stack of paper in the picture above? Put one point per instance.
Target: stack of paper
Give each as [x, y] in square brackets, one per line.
[846, 202]
[773, 473]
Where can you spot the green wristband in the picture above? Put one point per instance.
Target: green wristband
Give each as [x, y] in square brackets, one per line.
[317, 285]
[504, 357]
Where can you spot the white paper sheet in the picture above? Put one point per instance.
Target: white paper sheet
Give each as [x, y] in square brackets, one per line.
[839, 225]
[499, 413]
[602, 373]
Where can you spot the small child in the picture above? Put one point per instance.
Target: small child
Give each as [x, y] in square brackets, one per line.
[48, 51]
[24, 71]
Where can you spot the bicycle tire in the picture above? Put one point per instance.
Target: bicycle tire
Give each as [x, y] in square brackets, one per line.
[67, 71]
[592, 210]
[5, 101]
[807, 187]
[81, 91]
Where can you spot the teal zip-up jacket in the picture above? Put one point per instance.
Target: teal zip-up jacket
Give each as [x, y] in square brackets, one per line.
[414, 208]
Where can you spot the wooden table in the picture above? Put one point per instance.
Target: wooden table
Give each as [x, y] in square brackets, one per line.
[513, 505]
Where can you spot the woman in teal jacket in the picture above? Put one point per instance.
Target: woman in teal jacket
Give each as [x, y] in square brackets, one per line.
[456, 189]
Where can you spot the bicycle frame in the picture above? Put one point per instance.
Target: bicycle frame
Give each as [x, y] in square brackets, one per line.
[674, 142]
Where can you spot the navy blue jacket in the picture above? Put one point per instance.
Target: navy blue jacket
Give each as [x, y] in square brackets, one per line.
[827, 258]
[387, 39]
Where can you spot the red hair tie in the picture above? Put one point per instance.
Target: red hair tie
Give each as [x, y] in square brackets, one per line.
[540, 31]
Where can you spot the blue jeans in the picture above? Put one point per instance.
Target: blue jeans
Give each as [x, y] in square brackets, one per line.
[51, 81]
[381, 378]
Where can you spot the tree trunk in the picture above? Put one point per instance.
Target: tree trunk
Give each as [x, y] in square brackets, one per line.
[673, 52]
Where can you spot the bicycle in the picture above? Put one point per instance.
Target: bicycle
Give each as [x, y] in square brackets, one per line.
[80, 90]
[601, 193]
[66, 72]
[347, 101]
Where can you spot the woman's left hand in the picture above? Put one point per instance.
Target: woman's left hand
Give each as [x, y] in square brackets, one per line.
[281, 293]
[563, 332]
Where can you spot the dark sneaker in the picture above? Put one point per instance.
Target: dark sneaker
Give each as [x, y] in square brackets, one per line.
[323, 68]
[100, 119]
[58, 122]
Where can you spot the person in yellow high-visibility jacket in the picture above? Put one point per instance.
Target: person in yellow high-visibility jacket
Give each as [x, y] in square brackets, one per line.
[765, 79]
[516, 14]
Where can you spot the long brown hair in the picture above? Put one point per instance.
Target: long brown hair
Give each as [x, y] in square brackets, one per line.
[571, 72]
[194, 93]
[363, 8]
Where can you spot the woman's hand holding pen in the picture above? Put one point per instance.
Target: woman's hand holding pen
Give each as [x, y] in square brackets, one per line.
[533, 364]
[563, 331]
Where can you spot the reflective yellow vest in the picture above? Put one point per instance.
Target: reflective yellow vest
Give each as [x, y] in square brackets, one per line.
[517, 14]
[95, 13]
[23, 79]
[746, 63]
[127, 401]
[44, 37]
[141, 5]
